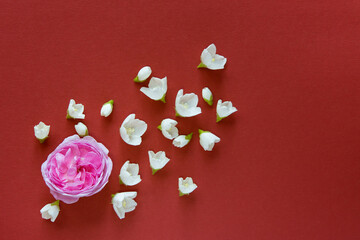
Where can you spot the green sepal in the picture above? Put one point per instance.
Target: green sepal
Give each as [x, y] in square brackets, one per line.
[121, 182]
[154, 171]
[86, 133]
[202, 131]
[189, 136]
[68, 115]
[42, 140]
[111, 102]
[163, 98]
[177, 114]
[159, 127]
[182, 194]
[56, 203]
[210, 101]
[201, 65]
[136, 79]
[218, 118]
[112, 196]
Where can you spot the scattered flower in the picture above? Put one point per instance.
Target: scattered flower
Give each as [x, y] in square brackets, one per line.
[207, 96]
[182, 140]
[129, 174]
[81, 129]
[186, 105]
[143, 74]
[168, 128]
[78, 167]
[132, 129]
[186, 186]
[208, 140]
[124, 202]
[42, 131]
[224, 109]
[211, 60]
[50, 211]
[107, 108]
[75, 110]
[157, 89]
[157, 160]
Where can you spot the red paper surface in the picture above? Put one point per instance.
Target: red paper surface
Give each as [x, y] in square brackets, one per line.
[287, 166]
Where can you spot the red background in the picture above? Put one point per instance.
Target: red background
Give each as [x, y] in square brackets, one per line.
[287, 166]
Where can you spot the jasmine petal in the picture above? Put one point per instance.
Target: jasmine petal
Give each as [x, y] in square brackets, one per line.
[207, 96]
[129, 174]
[42, 131]
[75, 110]
[50, 211]
[123, 202]
[182, 140]
[208, 140]
[224, 109]
[186, 105]
[107, 108]
[186, 186]
[211, 60]
[81, 129]
[143, 74]
[132, 129]
[157, 160]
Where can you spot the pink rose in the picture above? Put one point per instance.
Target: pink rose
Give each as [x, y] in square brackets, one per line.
[79, 167]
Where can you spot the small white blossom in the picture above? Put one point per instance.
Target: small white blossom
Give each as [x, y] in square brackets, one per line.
[186, 105]
[129, 174]
[207, 96]
[157, 160]
[50, 211]
[123, 202]
[211, 60]
[186, 186]
[208, 140]
[81, 129]
[157, 89]
[75, 110]
[42, 131]
[132, 129]
[107, 108]
[224, 109]
[168, 128]
[182, 140]
[143, 74]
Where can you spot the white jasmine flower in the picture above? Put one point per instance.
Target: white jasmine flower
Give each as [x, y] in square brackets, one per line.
[107, 108]
[207, 96]
[157, 160]
[224, 109]
[157, 89]
[211, 60]
[208, 140]
[143, 74]
[182, 140]
[42, 131]
[50, 211]
[129, 174]
[186, 105]
[132, 129]
[123, 202]
[168, 128]
[75, 110]
[186, 186]
[81, 129]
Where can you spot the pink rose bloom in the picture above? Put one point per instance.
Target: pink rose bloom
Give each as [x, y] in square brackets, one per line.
[79, 167]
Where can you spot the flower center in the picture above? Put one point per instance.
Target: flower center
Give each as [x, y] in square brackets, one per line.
[185, 105]
[130, 131]
[186, 184]
[213, 59]
[124, 203]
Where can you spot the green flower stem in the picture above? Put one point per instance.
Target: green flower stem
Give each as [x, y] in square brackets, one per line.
[189, 136]
[159, 127]
[154, 171]
[201, 65]
[202, 131]
[136, 79]
[218, 118]
[163, 98]
[42, 140]
[57, 202]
